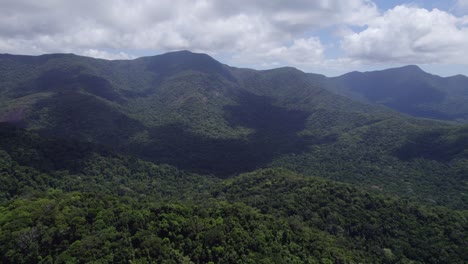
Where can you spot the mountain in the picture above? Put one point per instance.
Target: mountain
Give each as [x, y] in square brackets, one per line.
[180, 108]
[409, 90]
[178, 158]
[199, 115]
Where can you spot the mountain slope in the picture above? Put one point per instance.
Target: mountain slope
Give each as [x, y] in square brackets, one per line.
[148, 104]
[192, 112]
[408, 90]
[63, 201]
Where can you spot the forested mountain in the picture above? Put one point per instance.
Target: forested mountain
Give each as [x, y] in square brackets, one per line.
[253, 164]
[409, 90]
[192, 112]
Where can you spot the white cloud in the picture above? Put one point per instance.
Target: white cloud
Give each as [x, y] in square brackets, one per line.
[302, 14]
[411, 35]
[105, 54]
[253, 33]
[270, 29]
[462, 4]
[302, 53]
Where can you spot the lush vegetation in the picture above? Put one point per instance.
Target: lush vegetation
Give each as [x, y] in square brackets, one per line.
[367, 225]
[430, 165]
[70, 203]
[30, 164]
[180, 159]
[192, 112]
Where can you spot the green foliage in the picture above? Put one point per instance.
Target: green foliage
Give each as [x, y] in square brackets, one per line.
[192, 112]
[369, 224]
[378, 158]
[88, 227]
[75, 203]
[73, 189]
[268, 216]
[31, 163]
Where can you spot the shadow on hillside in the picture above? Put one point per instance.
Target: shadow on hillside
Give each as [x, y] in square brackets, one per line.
[70, 80]
[83, 117]
[440, 145]
[275, 134]
[74, 115]
[46, 154]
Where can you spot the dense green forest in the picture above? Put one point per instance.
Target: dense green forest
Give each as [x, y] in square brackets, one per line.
[65, 202]
[178, 158]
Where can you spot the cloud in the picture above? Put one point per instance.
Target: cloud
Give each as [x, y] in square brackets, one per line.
[302, 14]
[260, 33]
[462, 4]
[244, 28]
[407, 34]
[302, 53]
[101, 54]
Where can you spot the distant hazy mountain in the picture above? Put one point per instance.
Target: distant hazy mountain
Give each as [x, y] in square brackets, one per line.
[190, 111]
[409, 90]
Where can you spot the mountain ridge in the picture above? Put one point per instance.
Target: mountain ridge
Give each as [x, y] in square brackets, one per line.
[202, 116]
[408, 66]
[413, 67]
[409, 90]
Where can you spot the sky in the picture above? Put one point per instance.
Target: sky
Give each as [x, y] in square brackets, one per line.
[330, 37]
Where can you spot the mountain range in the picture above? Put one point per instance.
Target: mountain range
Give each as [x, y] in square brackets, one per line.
[74, 127]
[409, 90]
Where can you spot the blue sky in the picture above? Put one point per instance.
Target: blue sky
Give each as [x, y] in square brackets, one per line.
[322, 36]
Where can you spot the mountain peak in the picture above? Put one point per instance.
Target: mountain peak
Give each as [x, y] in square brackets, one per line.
[405, 69]
[184, 55]
[412, 68]
[184, 60]
[285, 69]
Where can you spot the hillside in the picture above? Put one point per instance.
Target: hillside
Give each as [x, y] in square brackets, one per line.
[91, 205]
[180, 108]
[409, 90]
[192, 112]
